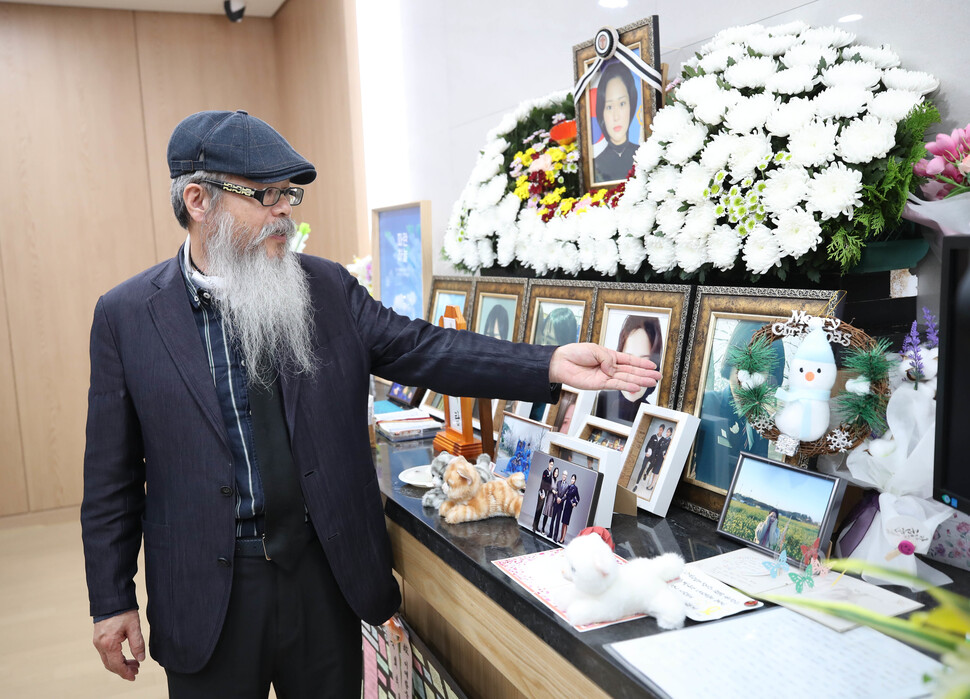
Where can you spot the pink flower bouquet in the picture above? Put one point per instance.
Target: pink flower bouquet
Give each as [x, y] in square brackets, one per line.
[947, 170]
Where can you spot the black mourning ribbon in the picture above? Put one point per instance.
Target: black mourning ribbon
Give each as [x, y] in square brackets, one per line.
[287, 531]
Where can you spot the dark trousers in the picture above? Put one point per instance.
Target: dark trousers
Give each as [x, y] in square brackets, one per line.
[292, 629]
[556, 517]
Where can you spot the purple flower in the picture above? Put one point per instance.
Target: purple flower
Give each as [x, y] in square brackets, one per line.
[932, 329]
[912, 352]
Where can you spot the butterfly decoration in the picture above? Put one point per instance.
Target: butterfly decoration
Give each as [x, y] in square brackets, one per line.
[802, 580]
[819, 568]
[779, 565]
[810, 552]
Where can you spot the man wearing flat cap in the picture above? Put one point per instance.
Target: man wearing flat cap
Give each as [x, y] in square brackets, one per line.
[227, 428]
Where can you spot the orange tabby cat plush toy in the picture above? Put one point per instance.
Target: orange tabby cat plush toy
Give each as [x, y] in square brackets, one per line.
[468, 499]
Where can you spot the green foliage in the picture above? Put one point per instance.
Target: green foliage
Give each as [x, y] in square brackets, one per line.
[754, 402]
[867, 410]
[758, 356]
[870, 362]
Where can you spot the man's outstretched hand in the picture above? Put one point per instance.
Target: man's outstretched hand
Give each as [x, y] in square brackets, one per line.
[592, 367]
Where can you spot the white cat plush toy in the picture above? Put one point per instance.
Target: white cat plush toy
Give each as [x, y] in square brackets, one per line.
[605, 590]
[811, 376]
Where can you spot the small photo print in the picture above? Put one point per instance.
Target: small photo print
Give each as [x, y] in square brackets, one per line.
[560, 498]
[518, 439]
[557, 322]
[653, 453]
[495, 315]
[611, 440]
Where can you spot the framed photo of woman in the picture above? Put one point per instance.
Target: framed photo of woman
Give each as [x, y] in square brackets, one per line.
[559, 311]
[450, 291]
[726, 317]
[646, 320]
[498, 306]
[615, 111]
[569, 414]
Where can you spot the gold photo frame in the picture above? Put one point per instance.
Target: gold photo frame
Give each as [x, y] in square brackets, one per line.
[725, 317]
[445, 291]
[502, 292]
[557, 309]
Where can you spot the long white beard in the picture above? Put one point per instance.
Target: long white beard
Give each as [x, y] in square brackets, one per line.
[264, 301]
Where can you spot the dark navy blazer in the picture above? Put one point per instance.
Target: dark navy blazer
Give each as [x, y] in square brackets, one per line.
[157, 463]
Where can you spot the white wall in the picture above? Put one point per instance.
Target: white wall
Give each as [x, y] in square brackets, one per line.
[436, 75]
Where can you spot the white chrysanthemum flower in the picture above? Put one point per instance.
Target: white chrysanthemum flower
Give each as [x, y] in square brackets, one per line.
[716, 61]
[631, 252]
[696, 90]
[686, 144]
[795, 27]
[569, 258]
[648, 154]
[469, 254]
[506, 245]
[750, 71]
[605, 257]
[661, 253]
[788, 118]
[813, 144]
[508, 209]
[894, 105]
[797, 231]
[495, 147]
[827, 36]
[809, 55]
[700, 219]
[914, 80]
[771, 45]
[714, 107]
[737, 35]
[662, 183]
[492, 191]
[723, 245]
[750, 113]
[853, 74]
[670, 121]
[718, 150]
[761, 251]
[635, 190]
[835, 190]
[691, 251]
[792, 81]
[639, 220]
[486, 168]
[452, 247]
[670, 219]
[842, 101]
[692, 62]
[599, 223]
[786, 187]
[880, 57]
[865, 139]
[486, 252]
[694, 179]
[748, 153]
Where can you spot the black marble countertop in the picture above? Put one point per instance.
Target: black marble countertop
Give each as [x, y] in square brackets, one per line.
[470, 548]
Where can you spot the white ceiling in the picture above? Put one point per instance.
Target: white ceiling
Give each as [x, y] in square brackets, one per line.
[254, 8]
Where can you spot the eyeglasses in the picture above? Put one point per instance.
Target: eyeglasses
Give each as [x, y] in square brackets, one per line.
[266, 197]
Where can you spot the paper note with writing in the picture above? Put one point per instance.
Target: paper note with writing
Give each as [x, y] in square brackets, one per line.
[738, 654]
[844, 588]
[541, 575]
[744, 569]
[707, 599]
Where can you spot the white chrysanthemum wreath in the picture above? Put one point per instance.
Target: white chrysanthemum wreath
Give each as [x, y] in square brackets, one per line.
[784, 147]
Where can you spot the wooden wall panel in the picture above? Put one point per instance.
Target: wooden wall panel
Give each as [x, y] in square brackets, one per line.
[73, 145]
[13, 478]
[190, 63]
[316, 45]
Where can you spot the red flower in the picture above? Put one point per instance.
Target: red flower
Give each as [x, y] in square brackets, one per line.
[564, 132]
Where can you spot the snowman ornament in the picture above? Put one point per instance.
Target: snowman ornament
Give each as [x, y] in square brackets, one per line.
[811, 376]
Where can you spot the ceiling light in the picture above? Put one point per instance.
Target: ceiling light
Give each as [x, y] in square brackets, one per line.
[850, 18]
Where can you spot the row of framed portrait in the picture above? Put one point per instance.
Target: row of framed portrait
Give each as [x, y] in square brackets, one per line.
[687, 331]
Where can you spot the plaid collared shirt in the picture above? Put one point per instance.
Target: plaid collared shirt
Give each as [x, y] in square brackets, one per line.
[231, 383]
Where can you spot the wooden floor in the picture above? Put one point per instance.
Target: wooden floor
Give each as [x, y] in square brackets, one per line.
[45, 630]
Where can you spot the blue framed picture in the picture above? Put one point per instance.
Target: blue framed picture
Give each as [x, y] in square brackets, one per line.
[401, 249]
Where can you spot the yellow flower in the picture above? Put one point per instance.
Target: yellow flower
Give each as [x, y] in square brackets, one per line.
[567, 204]
[556, 154]
[553, 196]
[526, 157]
[550, 176]
[598, 197]
[522, 188]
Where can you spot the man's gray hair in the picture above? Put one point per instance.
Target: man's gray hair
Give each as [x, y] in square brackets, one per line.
[178, 189]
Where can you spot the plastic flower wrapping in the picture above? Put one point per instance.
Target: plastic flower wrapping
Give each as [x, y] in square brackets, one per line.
[782, 148]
